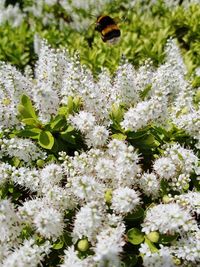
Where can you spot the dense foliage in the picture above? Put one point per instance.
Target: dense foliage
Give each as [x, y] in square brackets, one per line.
[99, 158]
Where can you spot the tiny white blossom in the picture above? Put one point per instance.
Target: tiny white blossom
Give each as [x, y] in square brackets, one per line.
[150, 184]
[10, 222]
[188, 248]
[46, 226]
[168, 218]
[29, 254]
[165, 168]
[97, 136]
[83, 121]
[88, 228]
[26, 177]
[71, 259]
[190, 200]
[109, 244]
[161, 258]
[5, 170]
[23, 149]
[124, 200]
[11, 14]
[51, 174]
[87, 188]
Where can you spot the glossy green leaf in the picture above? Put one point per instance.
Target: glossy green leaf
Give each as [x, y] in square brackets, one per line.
[138, 214]
[119, 136]
[46, 139]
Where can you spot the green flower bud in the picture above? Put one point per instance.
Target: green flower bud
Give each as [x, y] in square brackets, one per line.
[83, 245]
[108, 196]
[153, 236]
[40, 163]
[166, 199]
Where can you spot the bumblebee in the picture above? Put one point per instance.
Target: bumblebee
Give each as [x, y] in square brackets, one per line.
[108, 28]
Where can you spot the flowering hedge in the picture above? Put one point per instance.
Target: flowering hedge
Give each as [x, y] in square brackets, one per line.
[99, 171]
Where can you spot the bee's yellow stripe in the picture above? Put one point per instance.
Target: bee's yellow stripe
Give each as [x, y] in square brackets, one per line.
[109, 28]
[98, 20]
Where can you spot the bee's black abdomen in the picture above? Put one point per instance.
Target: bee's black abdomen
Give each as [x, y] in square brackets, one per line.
[103, 22]
[110, 35]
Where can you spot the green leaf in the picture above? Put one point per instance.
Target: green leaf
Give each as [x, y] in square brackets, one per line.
[119, 136]
[27, 104]
[139, 213]
[164, 239]
[152, 247]
[58, 123]
[130, 261]
[30, 121]
[70, 104]
[58, 245]
[135, 236]
[117, 113]
[15, 161]
[33, 133]
[46, 139]
[138, 134]
[145, 92]
[23, 111]
[68, 137]
[63, 111]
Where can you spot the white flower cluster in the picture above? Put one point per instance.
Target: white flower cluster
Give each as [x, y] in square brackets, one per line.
[150, 184]
[23, 149]
[176, 166]
[162, 257]
[95, 135]
[93, 191]
[11, 14]
[168, 219]
[28, 254]
[10, 223]
[13, 85]
[114, 167]
[189, 200]
[188, 248]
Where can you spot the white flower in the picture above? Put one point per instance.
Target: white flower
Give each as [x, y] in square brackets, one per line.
[49, 223]
[143, 113]
[83, 121]
[23, 149]
[109, 244]
[105, 169]
[190, 200]
[28, 178]
[124, 84]
[28, 254]
[161, 258]
[13, 86]
[165, 168]
[124, 200]
[87, 188]
[168, 219]
[97, 136]
[51, 174]
[31, 208]
[190, 122]
[60, 198]
[11, 14]
[71, 259]
[188, 248]
[5, 171]
[150, 184]
[48, 81]
[88, 220]
[10, 223]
